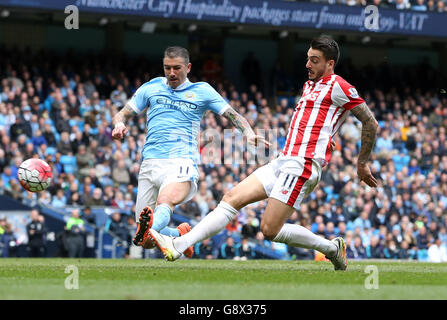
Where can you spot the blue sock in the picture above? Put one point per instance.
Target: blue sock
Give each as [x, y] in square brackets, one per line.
[162, 216]
[172, 232]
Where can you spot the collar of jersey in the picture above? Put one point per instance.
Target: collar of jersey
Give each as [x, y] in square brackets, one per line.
[185, 84]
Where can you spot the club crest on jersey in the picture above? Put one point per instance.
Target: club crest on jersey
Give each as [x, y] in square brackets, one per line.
[284, 191]
[189, 95]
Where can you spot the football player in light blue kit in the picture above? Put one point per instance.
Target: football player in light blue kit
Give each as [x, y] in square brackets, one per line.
[168, 174]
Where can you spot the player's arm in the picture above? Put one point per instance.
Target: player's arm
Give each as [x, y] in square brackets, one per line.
[119, 121]
[242, 124]
[369, 133]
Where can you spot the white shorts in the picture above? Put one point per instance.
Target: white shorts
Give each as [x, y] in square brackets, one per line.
[155, 174]
[289, 179]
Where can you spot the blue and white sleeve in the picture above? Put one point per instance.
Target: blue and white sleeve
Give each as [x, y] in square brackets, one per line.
[139, 100]
[215, 102]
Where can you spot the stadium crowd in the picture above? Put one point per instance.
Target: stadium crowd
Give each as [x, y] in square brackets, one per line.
[416, 5]
[59, 108]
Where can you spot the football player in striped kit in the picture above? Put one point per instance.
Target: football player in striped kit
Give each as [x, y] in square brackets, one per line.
[325, 103]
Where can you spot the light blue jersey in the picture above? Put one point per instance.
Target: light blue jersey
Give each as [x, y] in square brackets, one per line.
[174, 115]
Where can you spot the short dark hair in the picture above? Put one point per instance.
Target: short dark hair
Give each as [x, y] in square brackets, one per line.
[174, 52]
[328, 46]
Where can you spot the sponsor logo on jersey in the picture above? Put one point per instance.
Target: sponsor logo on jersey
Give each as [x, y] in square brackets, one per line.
[353, 93]
[175, 104]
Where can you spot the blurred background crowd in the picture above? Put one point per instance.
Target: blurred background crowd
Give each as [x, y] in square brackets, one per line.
[416, 5]
[59, 108]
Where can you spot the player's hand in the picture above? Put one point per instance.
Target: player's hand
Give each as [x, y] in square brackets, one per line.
[365, 175]
[119, 132]
[255, 140]
[332, 146]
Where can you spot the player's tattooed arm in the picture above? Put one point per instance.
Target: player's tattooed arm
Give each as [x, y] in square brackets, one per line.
[369, 133]
[369, 130]
[242, 124]
[119, 122]
[123, 115]
[238, 121]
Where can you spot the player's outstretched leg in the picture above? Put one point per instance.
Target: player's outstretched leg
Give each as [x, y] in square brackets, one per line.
[274, 228]
[145, 223]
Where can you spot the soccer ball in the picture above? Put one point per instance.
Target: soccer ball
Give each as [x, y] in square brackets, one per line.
[35, 175]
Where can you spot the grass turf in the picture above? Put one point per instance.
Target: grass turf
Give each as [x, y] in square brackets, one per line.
[218, 279]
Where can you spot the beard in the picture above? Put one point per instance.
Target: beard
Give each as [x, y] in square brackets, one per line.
[315, 75]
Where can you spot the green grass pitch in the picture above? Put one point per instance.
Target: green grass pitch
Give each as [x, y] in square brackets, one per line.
[218, 280]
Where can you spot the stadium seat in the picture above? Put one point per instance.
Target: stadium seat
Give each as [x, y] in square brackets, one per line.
[422, 255]
[51, 151]
[69, 163]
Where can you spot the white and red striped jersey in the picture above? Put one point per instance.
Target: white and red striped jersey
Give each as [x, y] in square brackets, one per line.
[320, 112]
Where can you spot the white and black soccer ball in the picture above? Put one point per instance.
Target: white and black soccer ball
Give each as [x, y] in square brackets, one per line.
[35, 175]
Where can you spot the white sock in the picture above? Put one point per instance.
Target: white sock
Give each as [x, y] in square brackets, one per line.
[210, 225]
[298, 236]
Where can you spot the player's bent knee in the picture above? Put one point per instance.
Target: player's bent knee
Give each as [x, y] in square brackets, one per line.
[165, 199]
[232, 199]
[268, 232]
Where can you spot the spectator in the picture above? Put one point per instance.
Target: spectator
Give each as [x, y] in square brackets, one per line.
[96, 199]
[205, 250]
[391, 251]
[7, 176]
[227, 249]
[38, 139]
[120, 174]
[405, 252]
[358, 250]
[244, 250]
[9, 242]
[204, 198]
[375, 249]
[2, 225]
[440, 6]
[64, 145]
[85, 160]
[422, 239]
[437, 252]
[118, 226]
[49, 136]
[402, 4]
[75, 237]
[36, 235]
[62, 122]
[59, 201]
[251, 227]
[88, 216]
[20, 127]
[363, 221]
